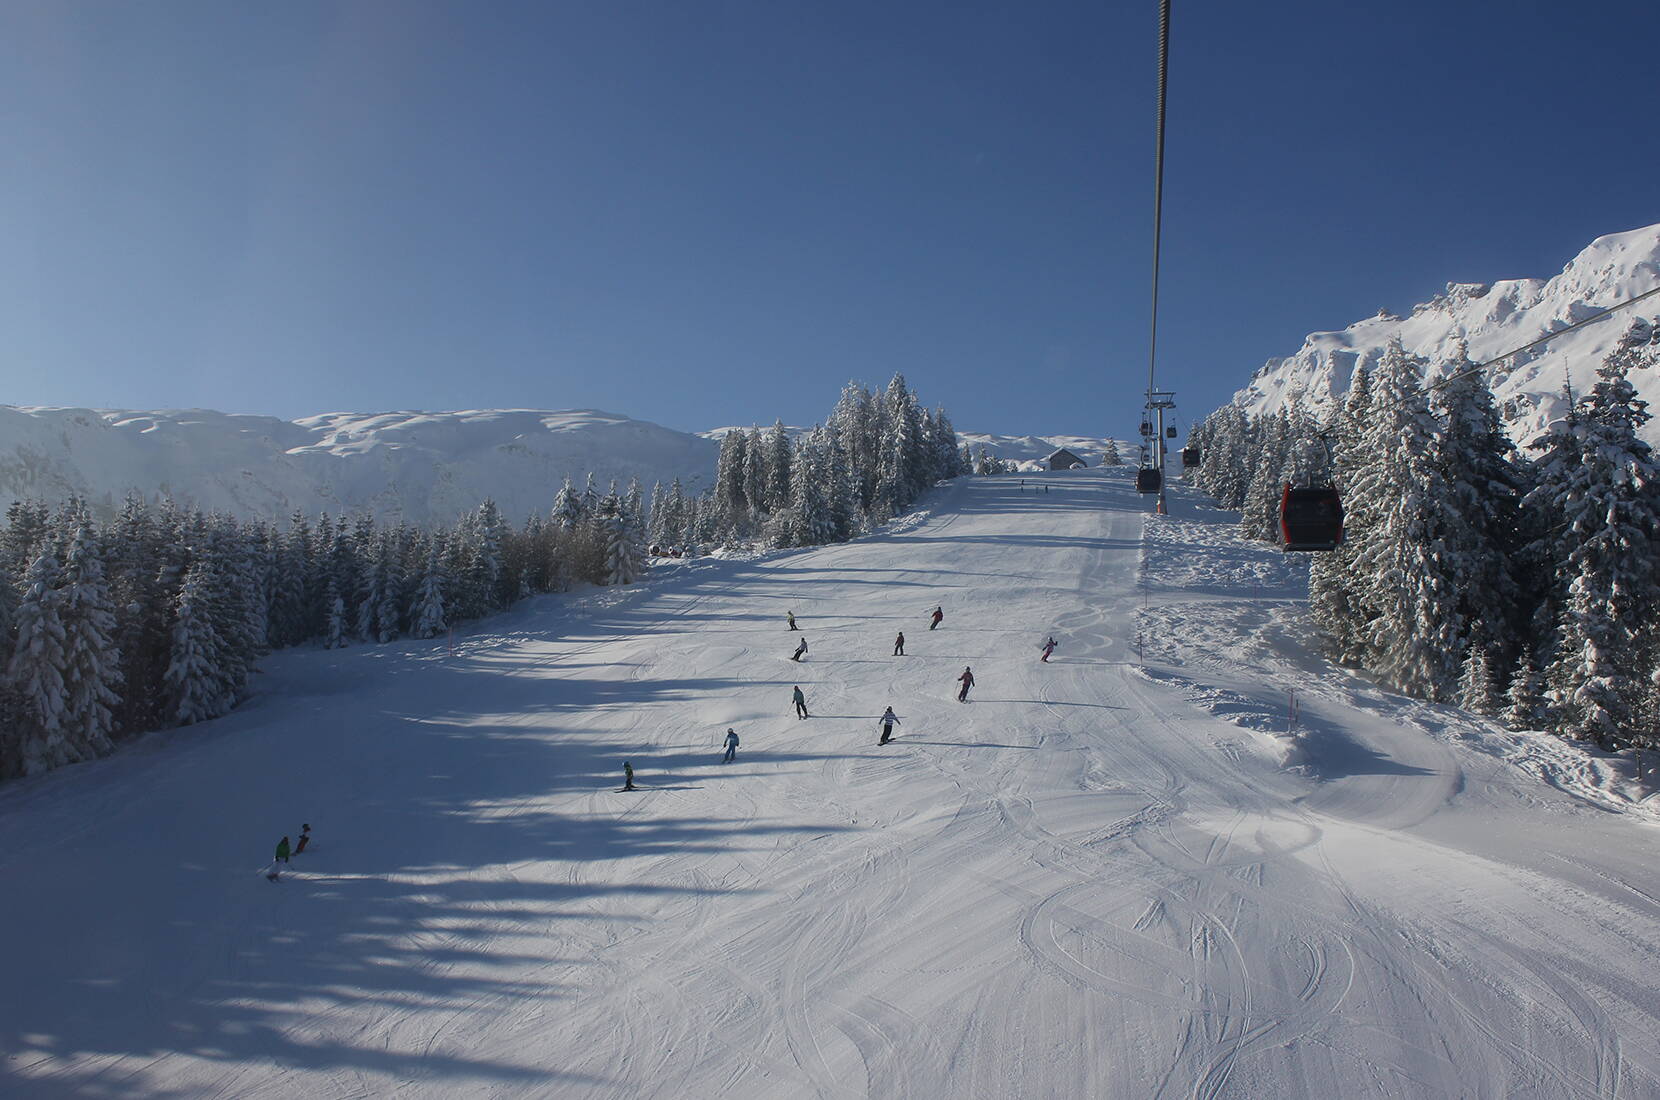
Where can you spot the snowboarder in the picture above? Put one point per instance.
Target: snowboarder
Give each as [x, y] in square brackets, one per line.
[628, 776]
[967, 679]
[934, 620]
[731, 746]
[1048, 648]
[305, 838]
[789, 617]
[899, 645]
[889, 720]
[800, 703]
[800, 650]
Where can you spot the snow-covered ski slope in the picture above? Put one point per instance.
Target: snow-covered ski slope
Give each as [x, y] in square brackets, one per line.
[1092, 880]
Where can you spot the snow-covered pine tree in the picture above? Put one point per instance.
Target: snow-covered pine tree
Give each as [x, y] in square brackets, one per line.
[1225, 467]
[841, 497]
[814, 523]
[91, 659]
[194, 677]
[732, 505]
[1335, 585]
[755, 476]
[1476, 690]
[1480, 542]
[1260, 518]
[427, 614]
[485, 580]
[567, 508]
[334, 622]
[1597, 680]
[1414, 635]
[858, 420]
[1524, 697]
[1110, 456]
[779, 454]
[36, 671]
[654, 518]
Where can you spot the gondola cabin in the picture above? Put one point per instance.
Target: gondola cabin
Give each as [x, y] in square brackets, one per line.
[1190, 457]
[1311, 518]
[1148, 479]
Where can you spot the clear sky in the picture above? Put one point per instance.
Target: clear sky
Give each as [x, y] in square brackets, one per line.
[708, 213]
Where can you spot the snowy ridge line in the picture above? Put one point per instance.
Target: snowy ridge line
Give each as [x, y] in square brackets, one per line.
[418, 467]
[1497, 321]
[1243, 643]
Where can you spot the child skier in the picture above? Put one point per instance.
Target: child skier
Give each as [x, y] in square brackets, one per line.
[899, 645]
[628, 776]
[889, 720]
[967, 679]
[800, 703]
[305, 838]
[800, 650]
[789, 617]
[731, 746]
[1048, 648]
[934, 620]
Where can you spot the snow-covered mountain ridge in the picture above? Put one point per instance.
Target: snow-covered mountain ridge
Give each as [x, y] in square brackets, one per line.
[1494, 318]
[415, 466]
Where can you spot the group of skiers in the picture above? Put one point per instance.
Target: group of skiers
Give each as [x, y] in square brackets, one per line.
[888, 720]
[284, 852]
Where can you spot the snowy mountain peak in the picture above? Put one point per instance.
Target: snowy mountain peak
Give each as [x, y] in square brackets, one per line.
[1493, 318]
[409, 465]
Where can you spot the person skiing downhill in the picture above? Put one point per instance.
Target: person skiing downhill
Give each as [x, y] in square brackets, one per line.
[800, 651]
[967, 679]
[934, 619]
[899, 645]
[305, 838]
[1048, 648]
[889, 720]
[282, 857]
[789, 617]
[800, 703]
[731, 746]
[628, 776]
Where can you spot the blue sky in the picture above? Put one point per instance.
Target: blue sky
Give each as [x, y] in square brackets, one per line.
[717, 213]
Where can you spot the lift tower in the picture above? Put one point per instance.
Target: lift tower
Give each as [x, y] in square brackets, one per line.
[1157, 402]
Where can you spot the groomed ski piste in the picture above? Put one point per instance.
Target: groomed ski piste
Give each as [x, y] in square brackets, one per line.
[1118, 874]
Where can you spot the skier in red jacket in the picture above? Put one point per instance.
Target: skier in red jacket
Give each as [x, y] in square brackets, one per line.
[967, 679]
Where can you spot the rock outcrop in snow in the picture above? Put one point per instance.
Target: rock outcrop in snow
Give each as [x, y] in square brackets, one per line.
[414, 466]
[1494, 318]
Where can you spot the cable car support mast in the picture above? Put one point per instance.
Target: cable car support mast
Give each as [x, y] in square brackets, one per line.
[1157, 400]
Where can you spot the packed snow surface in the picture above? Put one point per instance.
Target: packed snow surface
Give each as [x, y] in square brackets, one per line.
[420, 467]
[1098, 877]
[1494, 319]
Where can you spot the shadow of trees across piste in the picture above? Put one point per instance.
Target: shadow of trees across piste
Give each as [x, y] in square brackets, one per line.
[442, 882]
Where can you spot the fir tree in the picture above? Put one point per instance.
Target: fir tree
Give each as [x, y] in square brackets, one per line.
[91, 660]
[1597, 682]
[194, 676]
[428, 612]
[36, 671]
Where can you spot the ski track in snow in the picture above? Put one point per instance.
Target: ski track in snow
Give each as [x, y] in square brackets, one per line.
[1121, 873]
